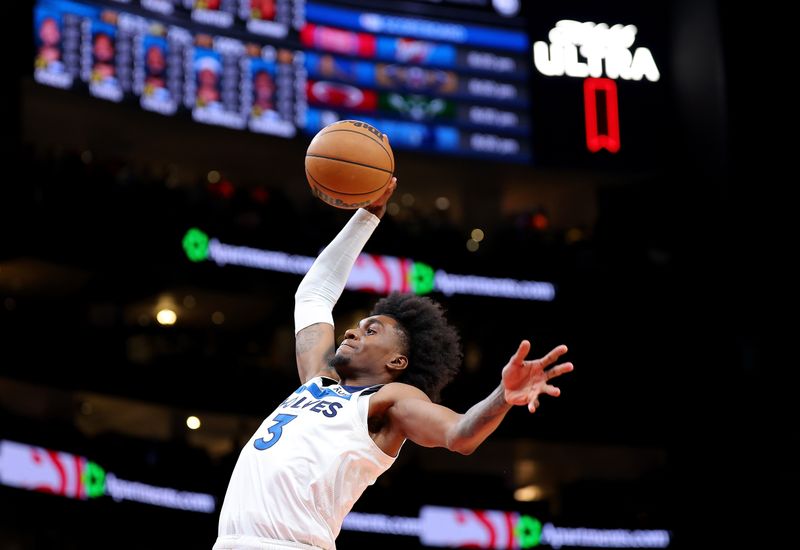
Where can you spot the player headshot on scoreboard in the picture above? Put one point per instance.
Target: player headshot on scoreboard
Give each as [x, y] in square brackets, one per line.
[49, 66]
[49, 41]
[208, 70]
[263, 81]
[103, 52]
[103, 81]
[155, 95]
[155, 64]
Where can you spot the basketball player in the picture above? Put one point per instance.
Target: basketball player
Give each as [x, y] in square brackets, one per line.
[301, 472]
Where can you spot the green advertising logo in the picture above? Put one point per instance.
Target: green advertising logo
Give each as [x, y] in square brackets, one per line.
[195, 244]
[421, 278]
[94, 480]
[528, 531]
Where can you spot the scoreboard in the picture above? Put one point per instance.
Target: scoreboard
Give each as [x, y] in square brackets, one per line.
[575, 83]
[438, 79]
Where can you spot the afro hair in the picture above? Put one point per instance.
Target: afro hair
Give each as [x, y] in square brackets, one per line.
[432, 344]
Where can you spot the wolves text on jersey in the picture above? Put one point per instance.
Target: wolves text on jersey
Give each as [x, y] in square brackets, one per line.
[327, 408]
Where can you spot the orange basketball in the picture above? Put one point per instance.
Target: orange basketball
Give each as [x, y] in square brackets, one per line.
[349, 164]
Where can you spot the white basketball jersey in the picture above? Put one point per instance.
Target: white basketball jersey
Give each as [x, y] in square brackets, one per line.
[304, 468]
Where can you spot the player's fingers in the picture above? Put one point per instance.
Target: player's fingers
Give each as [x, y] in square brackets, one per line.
[553, 355]
[522, 351]
[386, 194]
[390, 188]
[533, 405]
[558, 370]
[552, 391]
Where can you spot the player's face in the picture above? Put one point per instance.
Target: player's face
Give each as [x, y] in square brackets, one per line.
[155, 59]
[49, 32]
[264, 82]
[103, 48]
[207, 77]
[370, 346]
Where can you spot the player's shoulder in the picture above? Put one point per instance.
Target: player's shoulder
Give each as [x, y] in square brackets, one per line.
[396, 391]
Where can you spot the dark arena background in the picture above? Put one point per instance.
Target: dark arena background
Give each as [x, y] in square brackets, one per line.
[605, 175]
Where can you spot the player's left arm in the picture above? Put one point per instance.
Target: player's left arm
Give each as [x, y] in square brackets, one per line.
[432, 425]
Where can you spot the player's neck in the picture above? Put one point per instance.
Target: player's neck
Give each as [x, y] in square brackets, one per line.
[362, 380]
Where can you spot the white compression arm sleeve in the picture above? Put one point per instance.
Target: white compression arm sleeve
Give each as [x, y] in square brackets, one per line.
[323, 284]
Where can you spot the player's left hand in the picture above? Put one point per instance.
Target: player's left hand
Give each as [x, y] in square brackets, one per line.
[524, 381]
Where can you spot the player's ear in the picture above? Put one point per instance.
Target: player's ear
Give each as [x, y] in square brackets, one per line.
[398, 363]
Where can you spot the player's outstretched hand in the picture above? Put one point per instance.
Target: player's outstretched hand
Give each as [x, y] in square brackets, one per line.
[525, 380]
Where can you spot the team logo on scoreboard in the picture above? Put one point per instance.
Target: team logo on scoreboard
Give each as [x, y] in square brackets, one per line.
[412, 51]
[417, 107]
[417, 79]
[345, 96]
[338, 41]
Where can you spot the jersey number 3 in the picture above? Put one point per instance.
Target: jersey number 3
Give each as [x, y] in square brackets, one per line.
[275, 431]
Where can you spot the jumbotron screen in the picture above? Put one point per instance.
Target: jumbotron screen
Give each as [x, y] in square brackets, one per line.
[437, 77]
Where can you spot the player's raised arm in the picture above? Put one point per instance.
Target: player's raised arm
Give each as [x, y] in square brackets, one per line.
[323, 284]
[416, 418]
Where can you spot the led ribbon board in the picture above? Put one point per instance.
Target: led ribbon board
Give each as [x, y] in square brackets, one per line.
[371, 272]
[58, 473]
[464, 528]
